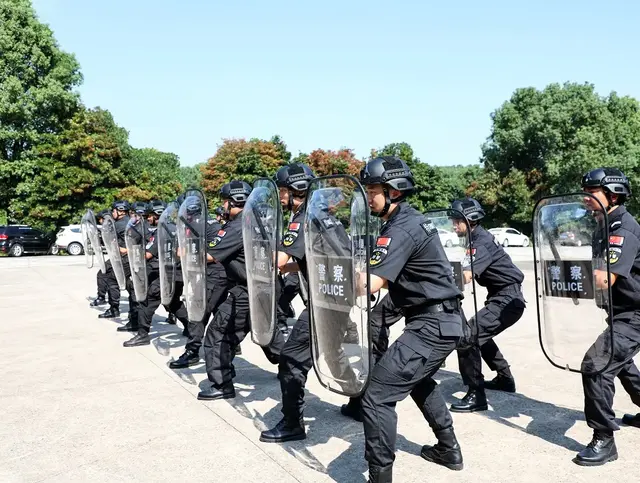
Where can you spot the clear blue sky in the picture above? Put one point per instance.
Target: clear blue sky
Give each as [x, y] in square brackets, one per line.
[180, 76]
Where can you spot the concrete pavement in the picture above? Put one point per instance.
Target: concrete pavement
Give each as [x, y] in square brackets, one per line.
[77, 406]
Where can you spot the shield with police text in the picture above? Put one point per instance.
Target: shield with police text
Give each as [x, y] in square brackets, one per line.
[167, 251]
[261, 228]
[337, 249]
[110, 239]
[135, 240]
[90, 231]
[192, 227]
[454, 232]
[86, 243]
[573, 254]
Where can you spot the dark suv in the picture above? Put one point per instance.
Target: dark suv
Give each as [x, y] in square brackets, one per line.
[19, 239]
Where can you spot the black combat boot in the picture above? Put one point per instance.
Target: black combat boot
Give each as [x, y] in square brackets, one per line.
[171, 319]
[353, 409]
[227, 391]
[287, 429]
[501, 383]
[128, 327]
[475, 400]
[137, 340]
[189, 358]
[110, 313]
[631, 420]
[97, 302]
[238, 350]
[446, 452]
[599, 451]
[352, 337]
[380, 474]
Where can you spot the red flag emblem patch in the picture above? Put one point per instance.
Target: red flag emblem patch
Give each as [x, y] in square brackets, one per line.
[383, 242]
[616, 240]
[294, 226]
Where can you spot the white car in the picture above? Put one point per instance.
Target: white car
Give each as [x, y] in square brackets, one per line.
[448, 238]
[69, 238]
[509, 237]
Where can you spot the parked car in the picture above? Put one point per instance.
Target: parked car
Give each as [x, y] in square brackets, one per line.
[510, 237]
[69, 238]
[16, 240]
[448, 238]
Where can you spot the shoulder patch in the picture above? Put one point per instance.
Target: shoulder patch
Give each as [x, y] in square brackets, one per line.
[383, 241]
[616, 240]
[429, 228]
[289, 238]
[328, 222]
[614, 255]
[294, 226]
[615, 224]
[221, 233]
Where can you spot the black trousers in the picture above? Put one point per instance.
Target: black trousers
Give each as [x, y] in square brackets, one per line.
[599, 390]
[102, 282]
[226, 331]
[217, 289]
[176, 306]
[148, 306]
[408, 367]
[113, 288]
[500, 312]
[289, 290]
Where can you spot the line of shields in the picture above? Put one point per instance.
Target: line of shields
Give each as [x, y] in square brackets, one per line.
[572, 262]
[91, 241]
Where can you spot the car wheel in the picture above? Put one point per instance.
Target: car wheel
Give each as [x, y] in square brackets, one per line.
[16, 250]
[74, 249]
[525, 243]
[54, 250]
[448, 244]
[505, 243]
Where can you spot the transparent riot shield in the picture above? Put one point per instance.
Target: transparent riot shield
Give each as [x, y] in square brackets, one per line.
[261, 228]
[455, 235]
[192, 223]
[135, 240]
[337, 249]
[86, 242]
[110, 239]
[167, 254]
[572, 259]
[90, 227]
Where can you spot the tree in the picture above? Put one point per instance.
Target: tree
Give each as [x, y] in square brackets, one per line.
[240, 159]
[37, 100]
[402, 150]
[552, 137]
[77, 169]
[191, 176]
[328, 162]
[154, 172]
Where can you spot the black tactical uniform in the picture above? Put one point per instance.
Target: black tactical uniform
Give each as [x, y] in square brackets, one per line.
[624, 262]
[122, 207]
[231, 322]
[503, 307]
[289, 290]
[217, 290]
[148, 307]
[409, 256]
[101, 280]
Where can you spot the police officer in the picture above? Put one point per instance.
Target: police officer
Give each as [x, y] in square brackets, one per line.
[408, 259]
[217, 287]
[290, 288]
[504, 306]
[138, 210]
[611, 188]
[101, 278]
[147, 308]
[231, 322]
[295, 359]
[120, 214]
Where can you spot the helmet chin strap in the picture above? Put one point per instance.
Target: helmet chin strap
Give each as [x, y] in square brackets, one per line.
[387, 204]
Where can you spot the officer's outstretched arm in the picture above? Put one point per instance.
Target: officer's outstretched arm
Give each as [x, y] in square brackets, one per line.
[123, 251]
[290, 267]
[148, 255]
[467, 276]
[210, 259]
[283, 259]
[600, 277]
[376, 284]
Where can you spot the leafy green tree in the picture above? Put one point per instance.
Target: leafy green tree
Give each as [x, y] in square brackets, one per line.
[191, 176]
[325, 162]
[76, 170]
[37, 99]
[155, 173]
[553, 136]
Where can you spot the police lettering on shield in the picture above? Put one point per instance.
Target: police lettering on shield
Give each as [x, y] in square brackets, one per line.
[568, 279]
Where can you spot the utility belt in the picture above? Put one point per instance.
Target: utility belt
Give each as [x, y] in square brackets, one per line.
[511, 289]
[435, 307]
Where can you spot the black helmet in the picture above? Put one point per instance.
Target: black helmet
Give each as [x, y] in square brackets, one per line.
[470, 208]
[296, 176]
[236, 191]
[156, 206]
[219, 211]
[140, 207]
[612, 180]
[121, 205]
[102, 214]
[180, 199]
[388, 170]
